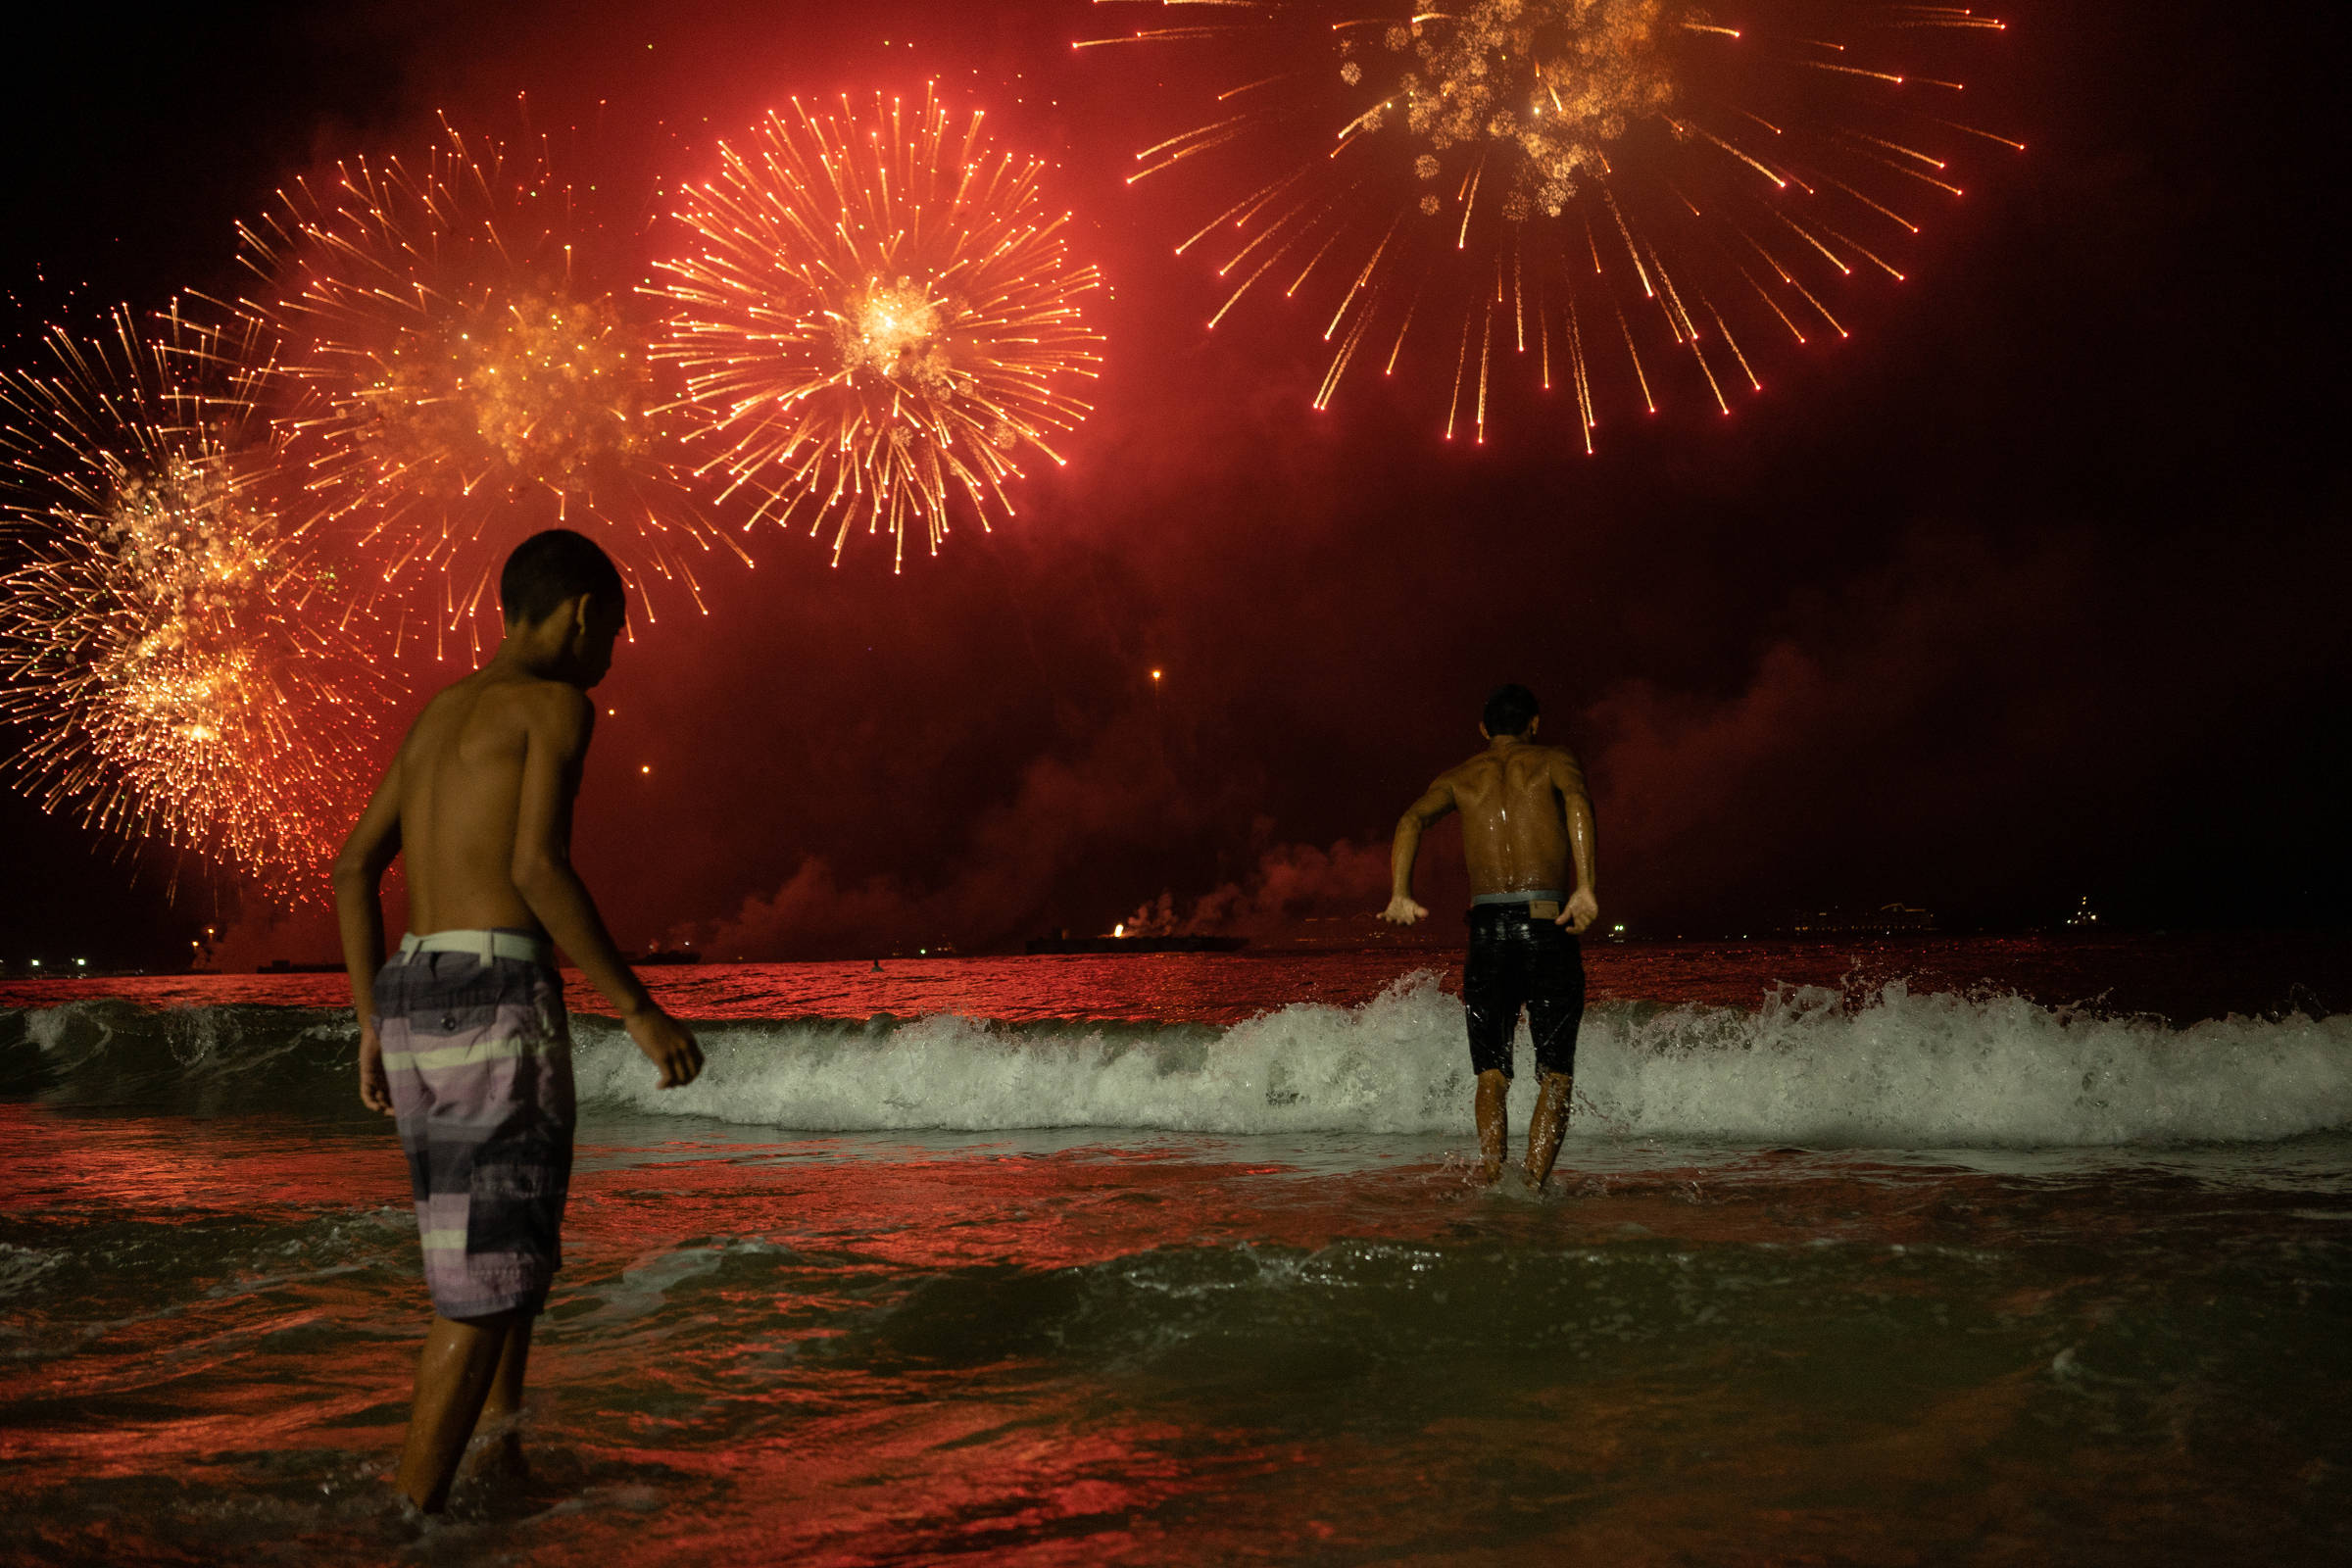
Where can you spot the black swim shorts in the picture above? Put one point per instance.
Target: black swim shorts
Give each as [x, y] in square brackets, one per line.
[1520, 960]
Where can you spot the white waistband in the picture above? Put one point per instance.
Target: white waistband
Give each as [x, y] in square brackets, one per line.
[483, 945]
[1533, 896]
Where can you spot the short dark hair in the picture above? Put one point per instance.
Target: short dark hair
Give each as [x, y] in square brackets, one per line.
[549, 569]
[1510, 710]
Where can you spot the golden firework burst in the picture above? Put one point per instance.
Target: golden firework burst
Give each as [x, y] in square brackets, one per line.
[183, 663]
[1602, 187]
[875, 316]
[456, 377]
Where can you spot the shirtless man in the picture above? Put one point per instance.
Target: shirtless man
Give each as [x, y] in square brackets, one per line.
[463, 1033]
[1524, 813]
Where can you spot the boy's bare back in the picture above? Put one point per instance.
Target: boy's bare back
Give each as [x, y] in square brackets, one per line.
[465, 785]
[479, 803]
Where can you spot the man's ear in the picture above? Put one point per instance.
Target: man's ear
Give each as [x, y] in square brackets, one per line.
[1533, 725]
[1484, 733]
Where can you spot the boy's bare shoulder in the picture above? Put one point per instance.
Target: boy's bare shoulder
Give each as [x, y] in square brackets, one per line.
[515, 692]
[480, 708]
[435, 717]
[556, 709]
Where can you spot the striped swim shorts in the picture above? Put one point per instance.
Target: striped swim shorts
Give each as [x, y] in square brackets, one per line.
[479, 1058]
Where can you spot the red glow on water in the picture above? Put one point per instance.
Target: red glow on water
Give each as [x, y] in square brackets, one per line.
[2183, 978]
[877, 1351]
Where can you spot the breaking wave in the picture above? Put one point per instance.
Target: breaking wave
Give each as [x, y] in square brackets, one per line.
[1813, 1066]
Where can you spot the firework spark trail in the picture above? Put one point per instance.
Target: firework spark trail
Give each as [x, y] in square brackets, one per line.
[455, 377]
[1606, 156]
[874, 319]
[169, 642]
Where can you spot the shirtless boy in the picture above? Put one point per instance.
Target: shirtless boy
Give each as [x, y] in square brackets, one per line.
[463, 1034]
[1524, 813]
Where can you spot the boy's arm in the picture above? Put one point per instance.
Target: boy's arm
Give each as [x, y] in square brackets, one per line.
[358, 877]
[1568, 777]
[560, 724]
[1435, 803]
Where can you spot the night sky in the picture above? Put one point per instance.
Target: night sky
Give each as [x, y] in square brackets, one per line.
[2033, 590]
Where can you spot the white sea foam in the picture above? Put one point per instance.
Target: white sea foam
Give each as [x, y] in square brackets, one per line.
[1898, 1070]
[21, 1267]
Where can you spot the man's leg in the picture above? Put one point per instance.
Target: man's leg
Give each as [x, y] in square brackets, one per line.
[462, 1358]
[1494, 1101]
[1555, 1010]
[1547, 1125]
[1491, 1002]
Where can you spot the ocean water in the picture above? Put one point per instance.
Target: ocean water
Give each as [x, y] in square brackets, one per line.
[1929, 1251]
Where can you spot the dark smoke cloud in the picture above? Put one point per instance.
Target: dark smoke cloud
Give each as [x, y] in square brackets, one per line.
[1294, 882]
[1971, 720]
[1072, 830]
[1958, 724]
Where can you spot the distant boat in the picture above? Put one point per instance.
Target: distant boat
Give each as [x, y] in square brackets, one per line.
[668, 956]
[1068, 944]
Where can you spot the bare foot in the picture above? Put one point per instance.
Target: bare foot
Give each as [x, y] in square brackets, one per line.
[1490, 1172]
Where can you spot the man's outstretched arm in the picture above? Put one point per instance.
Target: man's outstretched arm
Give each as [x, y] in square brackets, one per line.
[1584, 904]
[358, 877]
[562, 721]
[1436, 803]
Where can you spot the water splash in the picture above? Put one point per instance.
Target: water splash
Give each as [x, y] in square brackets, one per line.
[1890, 1069]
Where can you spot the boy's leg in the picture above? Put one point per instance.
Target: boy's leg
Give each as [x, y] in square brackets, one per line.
[453, 1378]
[501, 1455]
[1493, 1099]
[505, 1386]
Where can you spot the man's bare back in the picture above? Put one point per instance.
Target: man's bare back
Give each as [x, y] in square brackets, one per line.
[1526, 816]
[1526, 819]
[1514, 821]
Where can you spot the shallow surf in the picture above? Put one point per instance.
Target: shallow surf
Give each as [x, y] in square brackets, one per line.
[1889, 1271]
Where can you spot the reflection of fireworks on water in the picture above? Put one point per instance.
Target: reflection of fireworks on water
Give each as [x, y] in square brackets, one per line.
[445, 359]
[1579, 181]
[875, 318]
[167, 642]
